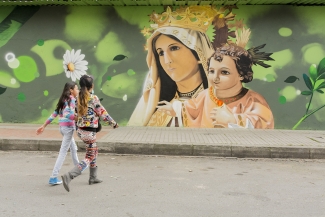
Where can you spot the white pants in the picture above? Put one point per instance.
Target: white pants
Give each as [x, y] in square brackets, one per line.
[67, 142]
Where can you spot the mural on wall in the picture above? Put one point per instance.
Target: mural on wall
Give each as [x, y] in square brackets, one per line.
[315, 82]
[159, 73]
[180, 72]
[226, 103]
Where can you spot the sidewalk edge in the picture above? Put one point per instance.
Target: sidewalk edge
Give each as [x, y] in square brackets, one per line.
[220, 150]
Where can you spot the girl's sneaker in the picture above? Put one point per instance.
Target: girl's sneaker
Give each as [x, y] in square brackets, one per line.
[55, 181]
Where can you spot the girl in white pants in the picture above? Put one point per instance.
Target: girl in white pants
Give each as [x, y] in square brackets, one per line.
[66, 111]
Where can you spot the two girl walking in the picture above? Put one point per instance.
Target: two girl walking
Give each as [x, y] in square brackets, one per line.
[89, 111]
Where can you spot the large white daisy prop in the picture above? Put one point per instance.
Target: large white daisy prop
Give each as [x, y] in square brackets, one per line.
[74, 64]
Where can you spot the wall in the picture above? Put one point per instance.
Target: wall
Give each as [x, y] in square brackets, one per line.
[33, 41]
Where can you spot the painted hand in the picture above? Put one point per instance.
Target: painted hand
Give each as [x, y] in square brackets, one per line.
[221, 116]
[166, 108]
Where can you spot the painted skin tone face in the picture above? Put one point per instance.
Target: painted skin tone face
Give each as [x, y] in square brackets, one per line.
[179, 63]
[224, 77]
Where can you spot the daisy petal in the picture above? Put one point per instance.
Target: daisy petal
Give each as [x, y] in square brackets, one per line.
[77, 74]
[83, 62]
[76, 55]
[73, 77]
[68, 57]
[81, 57]
[72, 56]
[81, 67]
[65, 60]
[65, 54]
[68, 74]
[83, 73]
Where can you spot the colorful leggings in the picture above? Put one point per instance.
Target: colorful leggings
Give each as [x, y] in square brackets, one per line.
[89, 138]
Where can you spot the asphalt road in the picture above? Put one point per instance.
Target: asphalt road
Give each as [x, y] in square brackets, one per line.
[153, 186]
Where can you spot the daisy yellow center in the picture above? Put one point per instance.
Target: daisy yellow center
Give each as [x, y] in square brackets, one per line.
[71, 67]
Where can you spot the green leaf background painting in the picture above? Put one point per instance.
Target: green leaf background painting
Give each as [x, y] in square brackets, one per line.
[11, 19]
[313, 72]
[123, 84]
[306, 93]
[314, 83]
[119, 57]
[321, 68]
[6, 35]
[86, 25]
[111, 39]
[108, 46]
[308, 82]
[52, 64]
[2, 90]
[8, 80]
[291, 79]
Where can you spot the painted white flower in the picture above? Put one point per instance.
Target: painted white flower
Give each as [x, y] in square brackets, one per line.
[74, 64]
[249, 125]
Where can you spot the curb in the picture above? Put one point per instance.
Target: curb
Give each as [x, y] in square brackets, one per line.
[220, 150]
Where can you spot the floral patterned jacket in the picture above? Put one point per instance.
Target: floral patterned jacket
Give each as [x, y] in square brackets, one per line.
[95, 111]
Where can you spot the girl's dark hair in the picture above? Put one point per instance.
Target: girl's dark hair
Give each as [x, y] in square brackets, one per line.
[86, 83]
[168, 86]
[65, 96]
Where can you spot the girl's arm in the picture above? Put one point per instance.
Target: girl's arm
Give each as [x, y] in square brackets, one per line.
[47, 122]
[102, 113]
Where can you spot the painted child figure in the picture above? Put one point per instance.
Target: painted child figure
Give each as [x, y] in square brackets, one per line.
[226, 103]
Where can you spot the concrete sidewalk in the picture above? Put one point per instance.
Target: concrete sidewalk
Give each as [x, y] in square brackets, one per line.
[176, 141]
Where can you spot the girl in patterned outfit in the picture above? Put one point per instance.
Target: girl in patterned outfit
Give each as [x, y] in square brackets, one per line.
[66, 111]
[89, 112]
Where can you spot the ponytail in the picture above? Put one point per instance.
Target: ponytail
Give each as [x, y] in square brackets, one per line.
[83, 101]
[86, 83]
